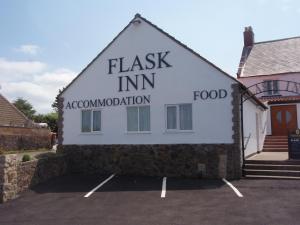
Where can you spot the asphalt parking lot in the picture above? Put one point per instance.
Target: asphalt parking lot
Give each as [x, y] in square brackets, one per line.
[143, 200]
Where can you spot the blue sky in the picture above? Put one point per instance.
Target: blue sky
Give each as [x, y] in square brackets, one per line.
[44, 44]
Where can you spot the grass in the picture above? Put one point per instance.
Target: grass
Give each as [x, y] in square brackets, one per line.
[5, 152]
[26, 158]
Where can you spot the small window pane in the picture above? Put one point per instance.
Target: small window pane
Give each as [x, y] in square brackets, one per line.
[132, 119]
[288, 117]
[185, 116]
[86, 121]
[96, 120]
[269, 87]
[171, 117]
[144, 117]
[275, 87]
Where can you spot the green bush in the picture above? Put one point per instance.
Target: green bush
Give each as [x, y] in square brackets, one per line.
[26, 158]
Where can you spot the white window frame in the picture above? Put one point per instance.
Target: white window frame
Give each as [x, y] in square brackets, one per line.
[177, 130]
[138, 131]
[92, 131]
[272, 92]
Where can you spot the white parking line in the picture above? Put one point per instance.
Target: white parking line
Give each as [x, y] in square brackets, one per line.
[233, 188]
[164, 187]
[100, 185]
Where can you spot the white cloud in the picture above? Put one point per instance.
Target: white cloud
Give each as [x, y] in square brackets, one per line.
[19, 70]
[28, 49]
[35, 84]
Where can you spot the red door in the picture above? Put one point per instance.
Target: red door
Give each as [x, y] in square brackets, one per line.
[284, 119]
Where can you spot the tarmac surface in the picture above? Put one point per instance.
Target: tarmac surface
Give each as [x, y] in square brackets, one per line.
[137, 201]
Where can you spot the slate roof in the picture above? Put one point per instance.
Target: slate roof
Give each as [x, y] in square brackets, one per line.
[270, 58]
[10, 115]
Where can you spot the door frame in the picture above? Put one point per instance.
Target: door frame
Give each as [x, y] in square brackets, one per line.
[291, 104]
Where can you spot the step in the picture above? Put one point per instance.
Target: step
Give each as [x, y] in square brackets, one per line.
[276, 140]
[272, 167]
[275, 137]
[273, 162]
[274, 145]
[287, 173]
[275, 150]
[271, 177]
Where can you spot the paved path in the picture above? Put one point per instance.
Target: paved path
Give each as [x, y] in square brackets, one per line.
[34, 154]
[271, 156]
[137, 201]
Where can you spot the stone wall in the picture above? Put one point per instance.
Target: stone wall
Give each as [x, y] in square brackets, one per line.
[8, 177]
[37, 171]
[15, 138]
[180, 160]
[16, 177]
[236, 155]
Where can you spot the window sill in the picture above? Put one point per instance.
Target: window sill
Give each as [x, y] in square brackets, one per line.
[138, 132]
[179, 132]
[91, 133]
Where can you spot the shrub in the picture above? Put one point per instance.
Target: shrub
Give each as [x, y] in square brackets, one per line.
[26, 158]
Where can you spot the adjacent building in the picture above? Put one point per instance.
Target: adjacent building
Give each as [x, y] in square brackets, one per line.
[271, 70]
[18, 132]
[10, 115]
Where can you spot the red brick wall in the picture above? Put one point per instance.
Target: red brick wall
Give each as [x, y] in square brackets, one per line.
[15, 138]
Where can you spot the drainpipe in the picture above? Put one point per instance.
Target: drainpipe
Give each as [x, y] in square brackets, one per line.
[242, 135]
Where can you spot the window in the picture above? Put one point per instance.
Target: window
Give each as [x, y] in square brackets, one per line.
[138, 118]
[271, 87]
[179, 117]
[90, 121]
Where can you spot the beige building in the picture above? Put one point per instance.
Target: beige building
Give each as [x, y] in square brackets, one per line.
[10, 115]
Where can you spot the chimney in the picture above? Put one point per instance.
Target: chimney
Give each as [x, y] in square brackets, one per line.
[248, 36]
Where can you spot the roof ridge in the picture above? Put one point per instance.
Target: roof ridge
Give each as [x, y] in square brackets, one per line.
[275, 40]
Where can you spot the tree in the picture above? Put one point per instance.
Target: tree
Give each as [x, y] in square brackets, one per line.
[25, 107]
[50, 119]
[55, 103]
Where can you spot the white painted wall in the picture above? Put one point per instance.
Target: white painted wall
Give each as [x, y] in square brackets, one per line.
[212, 119]
[249, 81]
[254, 127]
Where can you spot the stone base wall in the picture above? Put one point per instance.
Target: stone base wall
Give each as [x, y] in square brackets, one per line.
[8, 177]
[37, 171]
[180, 160]
[15, 138]
[16, 177]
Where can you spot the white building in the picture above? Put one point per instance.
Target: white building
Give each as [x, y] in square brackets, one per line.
[148, 104]
[271, 71]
